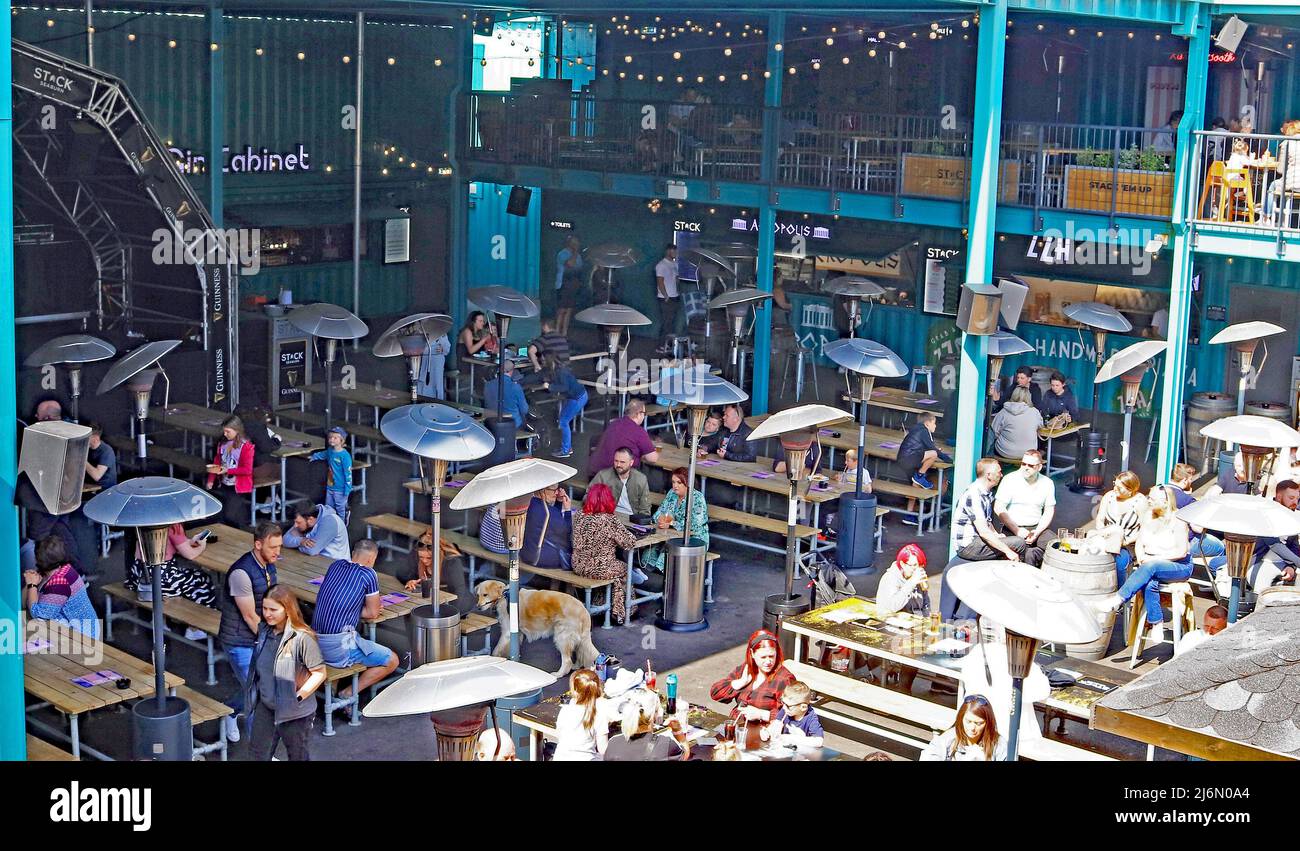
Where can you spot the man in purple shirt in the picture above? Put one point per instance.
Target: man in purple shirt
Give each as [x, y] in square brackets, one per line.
[628, 431]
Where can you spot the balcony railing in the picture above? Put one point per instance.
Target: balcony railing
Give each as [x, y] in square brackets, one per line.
[1247, 183]
[1100, 169]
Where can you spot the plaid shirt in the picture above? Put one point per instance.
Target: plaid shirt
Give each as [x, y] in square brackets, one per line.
[766, 696]
[963, 528]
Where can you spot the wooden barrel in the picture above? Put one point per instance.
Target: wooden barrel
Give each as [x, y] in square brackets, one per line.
[1203, 409]
[1089, 576]
[1272, 410]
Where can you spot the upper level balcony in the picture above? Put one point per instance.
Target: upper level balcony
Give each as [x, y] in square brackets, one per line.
[1105, 171]
[1245, 193]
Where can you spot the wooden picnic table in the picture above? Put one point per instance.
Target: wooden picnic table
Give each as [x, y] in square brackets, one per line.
[907, 401]
[296, 570]
[910, 648]
[48, 676]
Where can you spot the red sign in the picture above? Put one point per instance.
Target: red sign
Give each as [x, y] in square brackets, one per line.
[1222, 58]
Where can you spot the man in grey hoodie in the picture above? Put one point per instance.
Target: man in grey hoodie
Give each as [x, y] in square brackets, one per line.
[318, 530]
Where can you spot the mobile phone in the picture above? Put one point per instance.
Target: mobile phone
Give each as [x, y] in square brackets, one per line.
[203, 536]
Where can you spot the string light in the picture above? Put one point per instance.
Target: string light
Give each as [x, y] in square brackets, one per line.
[130, 36]
[259, 51]
[844, 60]
[872, 53]
[172, 44]
[347, 59]
[301, 56]
[437, 63]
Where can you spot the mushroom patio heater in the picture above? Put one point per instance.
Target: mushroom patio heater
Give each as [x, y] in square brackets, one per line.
[511, 486]
[1130, 365]
[1244, 337]
[797, 429]
[1090, 459]
[608, 257]
[160, 725]
[504, 304]
[614, 320]
[683, 603]
[741, 305]
[331, 323]
[1033, 608]
[71, 351]
[442, 435]
[741, 258]
[410, 338]
[1242, 519]
[854, 291]
[138, 371]
[1259, 437]
[456, 693]
[855, 518]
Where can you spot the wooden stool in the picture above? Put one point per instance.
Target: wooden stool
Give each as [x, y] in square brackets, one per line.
[1179, 595]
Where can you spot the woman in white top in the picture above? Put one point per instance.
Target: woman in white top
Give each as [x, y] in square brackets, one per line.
[974, 738]
[1121, 510]
[1163, 556]
[583, 726]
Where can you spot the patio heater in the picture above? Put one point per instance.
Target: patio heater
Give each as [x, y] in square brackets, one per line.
[614, 320]
[71, 351]
[1242, 518]
[855, 518]
[457, 693]
[854, 291]
[797, 428]
[608, 257]
[738, 255]
[1244, 337]
[138, 371]
[1090, 459]
[160, 726]
[740, 305]
[410, 338]
[1130, 365]
[504, 304]
[443, 435]
[331, 323]
[511, 486]
[1259, 437]
[1033, 608]
[683, 604]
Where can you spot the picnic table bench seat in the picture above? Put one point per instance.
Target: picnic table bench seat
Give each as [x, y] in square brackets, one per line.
[202, 710]
[176, 609]
[39, 750]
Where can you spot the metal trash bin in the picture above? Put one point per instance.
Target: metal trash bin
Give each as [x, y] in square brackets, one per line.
[683, 603]
[434, 635]
[776, 609]
[505, 714]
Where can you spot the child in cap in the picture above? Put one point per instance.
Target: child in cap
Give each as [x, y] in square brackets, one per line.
[338, 480]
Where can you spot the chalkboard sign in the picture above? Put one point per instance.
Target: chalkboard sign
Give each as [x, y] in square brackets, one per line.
[290, 372]
[942, 279]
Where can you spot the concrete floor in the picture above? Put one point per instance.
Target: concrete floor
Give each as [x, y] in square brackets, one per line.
[743, 577]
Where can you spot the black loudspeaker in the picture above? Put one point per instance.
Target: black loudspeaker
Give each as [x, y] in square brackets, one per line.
[484, 22]
[54, 461]
[855, 532]
[503, 430]
[520, 198]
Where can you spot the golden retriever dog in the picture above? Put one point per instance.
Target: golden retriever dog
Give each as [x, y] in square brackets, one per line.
[542, 614]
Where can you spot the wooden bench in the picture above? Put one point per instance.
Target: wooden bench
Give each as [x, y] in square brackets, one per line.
[896, 716]
[927, 501]
[178, 609]
[474, 550]
[39, 750]
[1054, 750]
[202, 710]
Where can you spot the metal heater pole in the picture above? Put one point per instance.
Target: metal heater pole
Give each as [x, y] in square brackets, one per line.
[698, 415]
[330, 346]
[439, 474]
[791, 542]
[865, 385]
[1017, 700]
[356, 169]
[1128, 429]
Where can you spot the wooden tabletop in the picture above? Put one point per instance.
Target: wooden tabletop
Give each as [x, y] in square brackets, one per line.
[48, 677]
[905, 400]
[385, 398]
[881, 442]
[1054, 433]
[741, 474]
[297, 570]
[543, 715]
[910, 646]
[207, 422]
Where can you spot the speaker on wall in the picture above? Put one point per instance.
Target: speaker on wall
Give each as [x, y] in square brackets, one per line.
[53, 458]
[520, 198]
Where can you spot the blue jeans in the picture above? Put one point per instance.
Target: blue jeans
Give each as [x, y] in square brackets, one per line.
[571, 409]
[338, 500]
[1206, 545]
[1146, 577]
[1122, 561]
[239, 658]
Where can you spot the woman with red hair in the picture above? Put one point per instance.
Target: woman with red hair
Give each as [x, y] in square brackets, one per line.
[597, 535]
[904, 586]
[756, 686]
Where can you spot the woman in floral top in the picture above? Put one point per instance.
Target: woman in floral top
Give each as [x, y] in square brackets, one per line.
[671, 514]
[597, 535]
[56, 592]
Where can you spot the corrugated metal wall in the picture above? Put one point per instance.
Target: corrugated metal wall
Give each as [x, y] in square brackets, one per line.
[504, 249]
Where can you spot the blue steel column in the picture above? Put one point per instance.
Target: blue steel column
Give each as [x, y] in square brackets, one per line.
[985, 157]
[13, 740]
[762, 363]
[1180, 288]
[459, 217]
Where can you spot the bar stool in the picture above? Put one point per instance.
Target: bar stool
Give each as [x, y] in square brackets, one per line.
[1180, 604]
[680, 345]
[802, 356]
[918, 372]
[453, 376]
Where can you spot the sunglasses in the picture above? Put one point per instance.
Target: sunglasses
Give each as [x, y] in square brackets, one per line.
[794, 705]
[422, 545]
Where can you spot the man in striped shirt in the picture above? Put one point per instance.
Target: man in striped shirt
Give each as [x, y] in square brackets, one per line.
[348, 593]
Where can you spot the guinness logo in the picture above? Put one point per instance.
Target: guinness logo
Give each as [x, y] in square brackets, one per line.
[147, 155]
[183, 210]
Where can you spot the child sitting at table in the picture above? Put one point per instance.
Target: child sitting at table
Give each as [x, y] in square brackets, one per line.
[849, 475]
[338, 480]
[796, 717]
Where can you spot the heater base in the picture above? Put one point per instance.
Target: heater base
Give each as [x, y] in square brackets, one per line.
[673, 626]
[1090, 464]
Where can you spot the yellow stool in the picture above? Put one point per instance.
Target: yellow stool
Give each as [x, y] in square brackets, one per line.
[1180, 603]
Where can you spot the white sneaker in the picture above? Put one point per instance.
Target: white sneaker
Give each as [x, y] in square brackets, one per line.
[232, 728]
[1109, 603]
[1155, 634]
[195, 634]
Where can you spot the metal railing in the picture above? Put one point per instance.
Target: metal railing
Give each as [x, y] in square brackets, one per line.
[1101, 169]
[1246, 183]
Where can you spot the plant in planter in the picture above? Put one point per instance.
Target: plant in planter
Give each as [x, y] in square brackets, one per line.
[1152, 160]
[1094, 159]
